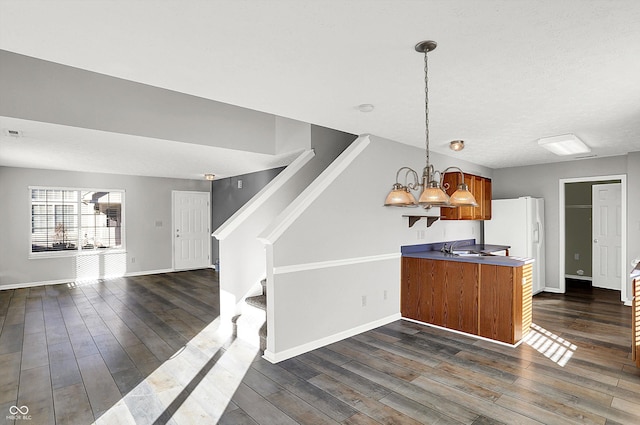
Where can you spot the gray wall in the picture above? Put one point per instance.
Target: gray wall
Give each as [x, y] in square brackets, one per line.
[44, 91]
[227, 198]
[633, 205]
[543, 181]
[147, 204]
[344, 245]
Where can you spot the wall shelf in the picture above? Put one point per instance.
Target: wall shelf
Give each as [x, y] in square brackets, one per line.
[414, 218]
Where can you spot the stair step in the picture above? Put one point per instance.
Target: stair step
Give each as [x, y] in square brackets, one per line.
[259, 301]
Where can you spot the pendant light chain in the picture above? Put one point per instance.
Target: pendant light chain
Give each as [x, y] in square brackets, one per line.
[426, 110]
[432, 192]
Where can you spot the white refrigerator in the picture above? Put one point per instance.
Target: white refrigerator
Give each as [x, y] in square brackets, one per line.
[520, 224]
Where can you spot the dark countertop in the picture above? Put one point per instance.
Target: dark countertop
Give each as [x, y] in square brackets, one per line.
[432, 252]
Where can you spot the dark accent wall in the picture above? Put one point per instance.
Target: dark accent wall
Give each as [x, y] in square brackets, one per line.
[227, 198]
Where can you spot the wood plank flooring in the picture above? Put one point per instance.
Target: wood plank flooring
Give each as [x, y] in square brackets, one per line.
[150, 350]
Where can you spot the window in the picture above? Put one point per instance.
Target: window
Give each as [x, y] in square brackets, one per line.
[75, 219]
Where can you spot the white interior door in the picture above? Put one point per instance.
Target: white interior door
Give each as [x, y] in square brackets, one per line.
[191, 235]
[607, 235]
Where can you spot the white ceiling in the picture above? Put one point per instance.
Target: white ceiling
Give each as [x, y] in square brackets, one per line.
[505, 73]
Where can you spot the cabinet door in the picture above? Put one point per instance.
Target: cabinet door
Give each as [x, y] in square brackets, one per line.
[496, 318]
[410, 287]
[476, 187]
[486, 199]
[480, 187]
[450, 181]
[432, 306]
[461, 297]
[469, 213]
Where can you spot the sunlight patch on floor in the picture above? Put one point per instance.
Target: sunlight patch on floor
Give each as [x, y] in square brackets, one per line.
[555, 348]
[194, 386]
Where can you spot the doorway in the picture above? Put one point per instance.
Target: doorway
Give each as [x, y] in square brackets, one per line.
[578, 253]
[191, 234]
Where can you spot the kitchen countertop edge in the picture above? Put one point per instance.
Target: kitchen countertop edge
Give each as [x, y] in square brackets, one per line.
[495, 260]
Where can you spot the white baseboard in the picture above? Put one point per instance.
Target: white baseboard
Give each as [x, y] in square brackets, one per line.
[576, 277]
[553, 290]
[74, 280]
[310, 346]
[144, 273]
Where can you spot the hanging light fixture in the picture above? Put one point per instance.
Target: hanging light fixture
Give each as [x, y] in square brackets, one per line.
[433, 193]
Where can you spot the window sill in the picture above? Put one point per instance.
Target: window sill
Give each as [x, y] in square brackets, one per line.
[81, 253]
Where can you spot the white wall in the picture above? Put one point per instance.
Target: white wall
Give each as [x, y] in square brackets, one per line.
[543, 181]
[337, 243]
[147, 201]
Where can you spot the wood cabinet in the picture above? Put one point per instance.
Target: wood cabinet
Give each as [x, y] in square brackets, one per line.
[479, 186]
[486, 300]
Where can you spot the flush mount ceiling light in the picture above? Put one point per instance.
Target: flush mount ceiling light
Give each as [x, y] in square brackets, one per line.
[209, 177]
[366, 107]
[456, 145]
[433, 193]
[565, 144]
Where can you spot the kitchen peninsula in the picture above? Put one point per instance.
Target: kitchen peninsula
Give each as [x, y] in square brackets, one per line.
[462, 286]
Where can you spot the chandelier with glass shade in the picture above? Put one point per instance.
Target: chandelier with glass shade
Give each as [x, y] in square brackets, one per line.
[433, 189]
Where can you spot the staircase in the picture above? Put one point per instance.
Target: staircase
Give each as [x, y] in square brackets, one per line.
[246, 325]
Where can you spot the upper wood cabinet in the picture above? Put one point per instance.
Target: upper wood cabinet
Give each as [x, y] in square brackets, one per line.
[479, 186]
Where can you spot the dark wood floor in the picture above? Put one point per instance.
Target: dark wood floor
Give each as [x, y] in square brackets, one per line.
[150, 349]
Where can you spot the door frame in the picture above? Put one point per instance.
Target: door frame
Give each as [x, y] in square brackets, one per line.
[173, 224]
[624, 293]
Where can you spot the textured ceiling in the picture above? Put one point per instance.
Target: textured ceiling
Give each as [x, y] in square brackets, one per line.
[505, 73]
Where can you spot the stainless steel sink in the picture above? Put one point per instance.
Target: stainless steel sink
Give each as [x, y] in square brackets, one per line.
[468, 253]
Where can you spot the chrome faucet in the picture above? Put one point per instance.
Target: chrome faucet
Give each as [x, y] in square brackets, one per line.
[449, 249]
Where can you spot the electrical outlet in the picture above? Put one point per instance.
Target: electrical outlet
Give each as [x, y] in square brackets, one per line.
[384, 294]
[364, 301]
[576, 256]
[239, 184]
[133, 259]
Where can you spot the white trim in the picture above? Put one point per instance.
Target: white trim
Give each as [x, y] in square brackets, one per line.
[75, 253]
[233, 222]
[273, 232]
[334, 263]
[310, 346]
[506, 344]
[553, 290]
[577, 277]
[624, 296]
[73, 280]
